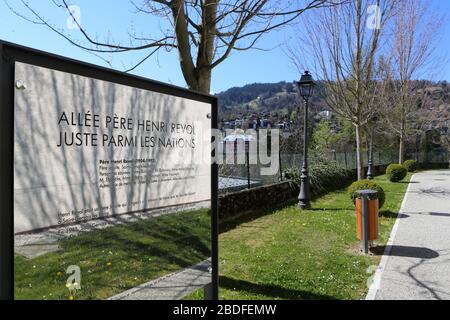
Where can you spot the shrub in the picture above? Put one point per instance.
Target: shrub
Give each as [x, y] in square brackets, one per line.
[410, 165]
[396, 172]
[367, 185]
[324, 176]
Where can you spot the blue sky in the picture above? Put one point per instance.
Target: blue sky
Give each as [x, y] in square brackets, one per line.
[115, 17]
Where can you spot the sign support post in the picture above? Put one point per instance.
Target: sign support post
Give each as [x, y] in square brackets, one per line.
[214, 207]
[6, 177]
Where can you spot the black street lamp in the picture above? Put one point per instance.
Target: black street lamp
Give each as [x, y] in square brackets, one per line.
[306, 88]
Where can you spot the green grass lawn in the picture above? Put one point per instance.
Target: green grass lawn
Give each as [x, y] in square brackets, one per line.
[117, 258]
[276, 254]
[293, 254]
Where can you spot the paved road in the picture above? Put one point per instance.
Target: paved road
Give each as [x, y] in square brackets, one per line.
[418, 265]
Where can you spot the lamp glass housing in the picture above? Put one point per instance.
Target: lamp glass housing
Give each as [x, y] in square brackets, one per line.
[306, 85]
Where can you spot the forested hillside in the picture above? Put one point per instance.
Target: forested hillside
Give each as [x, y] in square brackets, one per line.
[265, 99]
[280, 99]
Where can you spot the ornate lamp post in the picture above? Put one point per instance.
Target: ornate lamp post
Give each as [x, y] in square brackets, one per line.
[306, 88]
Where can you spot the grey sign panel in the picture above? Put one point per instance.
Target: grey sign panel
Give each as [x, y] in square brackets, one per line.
[87, 148]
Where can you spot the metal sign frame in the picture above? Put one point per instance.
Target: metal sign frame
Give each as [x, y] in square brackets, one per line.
[11, 53]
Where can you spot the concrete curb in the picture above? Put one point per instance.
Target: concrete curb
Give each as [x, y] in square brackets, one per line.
[373, 289]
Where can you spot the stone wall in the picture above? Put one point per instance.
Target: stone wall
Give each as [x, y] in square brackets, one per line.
[237, 204]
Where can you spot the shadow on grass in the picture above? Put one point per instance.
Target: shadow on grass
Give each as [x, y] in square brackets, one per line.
[163, 239]
[269, 290]
[332, 209]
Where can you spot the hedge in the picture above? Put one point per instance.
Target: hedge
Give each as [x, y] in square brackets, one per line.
[411, 165]
[324, 175]
[396, 172]
[366, 185]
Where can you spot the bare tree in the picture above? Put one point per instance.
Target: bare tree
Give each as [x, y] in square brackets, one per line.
[204, 32]
[415, 33]
[342, 44]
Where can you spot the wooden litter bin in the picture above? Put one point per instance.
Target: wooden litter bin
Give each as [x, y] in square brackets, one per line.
[372, 206]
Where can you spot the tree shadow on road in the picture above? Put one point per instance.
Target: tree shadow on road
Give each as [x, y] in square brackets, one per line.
[392, 214]
[406, 251]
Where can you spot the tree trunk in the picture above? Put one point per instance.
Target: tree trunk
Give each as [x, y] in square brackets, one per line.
[203, 80]
[205, 52]
[401, 148]
[359, 164]
[184, 47]
[401, 145]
